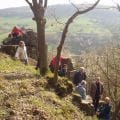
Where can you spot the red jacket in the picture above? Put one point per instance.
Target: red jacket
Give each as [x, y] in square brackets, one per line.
[54, 61]
[17, 31]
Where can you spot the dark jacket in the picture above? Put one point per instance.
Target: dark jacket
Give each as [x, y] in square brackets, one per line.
[94, 89]
[105, 112]
[78, 77]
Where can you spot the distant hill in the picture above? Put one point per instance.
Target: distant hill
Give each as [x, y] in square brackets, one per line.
[16, 12]
[93, 30]
[61, 11]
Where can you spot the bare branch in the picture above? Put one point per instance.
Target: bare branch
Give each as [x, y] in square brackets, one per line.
[118, 7]
[30, 4]
[40, 2]
[90, 8]
[106, 75]
[34, 2]
[74, 5]
[45, 3]
[64, 33]
[70, 20]
[105, 7]
[56, 19]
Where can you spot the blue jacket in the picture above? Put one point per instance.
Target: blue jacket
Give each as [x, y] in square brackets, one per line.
[82, 91]
[105, 111]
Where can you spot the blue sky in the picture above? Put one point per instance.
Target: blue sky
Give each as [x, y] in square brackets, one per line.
[17, 3]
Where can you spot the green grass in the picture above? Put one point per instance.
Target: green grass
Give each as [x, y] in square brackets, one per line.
[7, 65]
[79, 25]
[3, 36]
[24, 95]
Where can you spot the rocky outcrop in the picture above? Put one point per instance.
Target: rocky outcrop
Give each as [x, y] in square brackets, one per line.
[9, 45]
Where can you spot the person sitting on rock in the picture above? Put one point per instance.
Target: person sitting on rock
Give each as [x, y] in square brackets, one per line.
[53, 64]
[21, 53]
[79, 76]
[104, 111]
[16, 32]
[62, 70]
[81, 89]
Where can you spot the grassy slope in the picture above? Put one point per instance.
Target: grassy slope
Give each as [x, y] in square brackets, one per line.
[22, 91]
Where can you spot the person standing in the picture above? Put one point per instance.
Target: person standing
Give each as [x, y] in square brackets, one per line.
[79, 76]
[96, 92]
[21, 53]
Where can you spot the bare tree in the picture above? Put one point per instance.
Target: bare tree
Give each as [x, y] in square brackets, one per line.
[109, 66]
[64, 33]
[38, 8]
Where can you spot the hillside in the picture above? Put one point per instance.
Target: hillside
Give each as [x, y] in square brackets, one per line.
[27, 96]
[88, 32]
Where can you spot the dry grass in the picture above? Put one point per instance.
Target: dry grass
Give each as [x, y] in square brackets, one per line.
[27, 97]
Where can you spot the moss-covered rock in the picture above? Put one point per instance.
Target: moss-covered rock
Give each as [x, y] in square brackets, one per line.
[9, 49]
[63, 87]
[76, 99]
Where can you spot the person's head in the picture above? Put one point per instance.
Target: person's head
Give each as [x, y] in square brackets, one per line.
[15, 27]
[82, 69]
[83, 83]
[98, 79]
[107, 100]
[21, 43]
[65, 66]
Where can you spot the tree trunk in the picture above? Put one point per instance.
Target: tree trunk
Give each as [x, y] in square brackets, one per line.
[59, 49]
[42, 47]
[38, 8]
[64, 33]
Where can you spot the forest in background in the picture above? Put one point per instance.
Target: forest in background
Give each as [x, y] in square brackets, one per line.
[88, 32]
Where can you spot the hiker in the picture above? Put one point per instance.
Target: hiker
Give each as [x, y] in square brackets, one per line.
[79, 76]
[62, 70]
[104, 111]
[53, 64]
[21, 53]
[96, 91]
[81, 89]
[16, 32]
